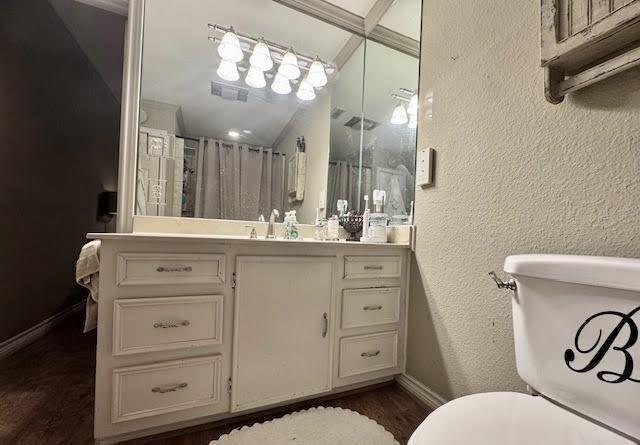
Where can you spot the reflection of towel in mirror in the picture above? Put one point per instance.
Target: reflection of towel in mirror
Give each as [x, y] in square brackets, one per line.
[87, 275]
[395, 201]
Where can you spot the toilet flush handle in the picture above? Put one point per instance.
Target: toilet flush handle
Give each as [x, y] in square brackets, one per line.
[509, 284]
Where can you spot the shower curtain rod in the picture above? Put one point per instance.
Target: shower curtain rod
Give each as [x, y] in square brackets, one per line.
[188, 138]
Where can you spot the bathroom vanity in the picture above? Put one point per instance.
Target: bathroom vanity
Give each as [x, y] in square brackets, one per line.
[197, 328]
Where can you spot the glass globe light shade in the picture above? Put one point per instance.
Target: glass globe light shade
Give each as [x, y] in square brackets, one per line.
[399, 116]
[413, 121]
[229, 48]
[306, 91]
[228, 71]
[261, 57]
[317, 76]
[289, 66]
[281, 84]
[255, 78]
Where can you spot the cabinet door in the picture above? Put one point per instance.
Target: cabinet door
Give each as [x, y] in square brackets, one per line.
[282, 331]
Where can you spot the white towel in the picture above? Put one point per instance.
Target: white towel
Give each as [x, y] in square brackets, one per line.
[87, 275]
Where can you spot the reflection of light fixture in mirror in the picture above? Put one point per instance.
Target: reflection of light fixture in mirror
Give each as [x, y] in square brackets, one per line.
[413, 121]
[412, 108]
[399, 116]
[261, 57]
[317, 77]
[228, 71]
[255, 78]
[281, 84]
[233, 134]
[229, 48]
[289, 66]
[306, 91]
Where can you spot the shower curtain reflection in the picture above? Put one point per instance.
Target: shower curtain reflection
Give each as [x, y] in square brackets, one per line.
[227, 181]
[343, 184]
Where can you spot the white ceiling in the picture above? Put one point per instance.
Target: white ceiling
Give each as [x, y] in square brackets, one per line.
[404, 16]
[179, 62]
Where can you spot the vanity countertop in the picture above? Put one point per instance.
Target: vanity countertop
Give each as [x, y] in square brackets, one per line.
[232, 239]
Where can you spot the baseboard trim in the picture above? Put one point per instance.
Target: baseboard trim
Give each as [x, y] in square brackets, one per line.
[426, 395]
[27, 337]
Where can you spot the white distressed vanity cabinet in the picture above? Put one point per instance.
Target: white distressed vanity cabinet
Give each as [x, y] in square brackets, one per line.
[197, 328]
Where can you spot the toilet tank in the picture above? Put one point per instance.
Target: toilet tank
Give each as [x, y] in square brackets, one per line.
[576, 322]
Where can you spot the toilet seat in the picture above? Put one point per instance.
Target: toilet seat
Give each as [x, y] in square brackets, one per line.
[508, 418]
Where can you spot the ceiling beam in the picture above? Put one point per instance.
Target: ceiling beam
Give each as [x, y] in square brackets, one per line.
[375, 14]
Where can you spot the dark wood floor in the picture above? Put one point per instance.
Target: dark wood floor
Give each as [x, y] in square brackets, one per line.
[46, 398]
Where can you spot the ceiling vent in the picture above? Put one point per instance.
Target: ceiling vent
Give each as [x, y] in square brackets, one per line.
[337, 112]
[358, 123]
[229, 92]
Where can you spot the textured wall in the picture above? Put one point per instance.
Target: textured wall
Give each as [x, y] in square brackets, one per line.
[514, 174]
[59, 133]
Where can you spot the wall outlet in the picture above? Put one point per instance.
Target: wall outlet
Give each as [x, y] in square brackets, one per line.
[424, 167]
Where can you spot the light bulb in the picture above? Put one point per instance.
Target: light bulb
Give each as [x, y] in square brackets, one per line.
[261, 57]
[412, 108]
[281, 84]
[289, 66]
[305, 90]
[229, 48]
[413, 121]
[399, 116]
[228, 71]
[255, 78]
[317, 76]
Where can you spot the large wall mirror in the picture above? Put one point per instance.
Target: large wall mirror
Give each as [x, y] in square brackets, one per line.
[250, 105]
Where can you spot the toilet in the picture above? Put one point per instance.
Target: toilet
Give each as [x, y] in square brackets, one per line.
[575, 321]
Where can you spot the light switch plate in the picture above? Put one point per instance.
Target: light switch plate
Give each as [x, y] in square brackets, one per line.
[424, 167]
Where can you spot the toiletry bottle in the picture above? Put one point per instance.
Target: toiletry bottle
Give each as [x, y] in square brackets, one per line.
[303, 145]
[365, 220]
[378, 220]
[290, 222]
[333, 228]
[320, 227]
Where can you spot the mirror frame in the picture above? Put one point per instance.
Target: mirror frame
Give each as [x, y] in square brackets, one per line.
[132, 79]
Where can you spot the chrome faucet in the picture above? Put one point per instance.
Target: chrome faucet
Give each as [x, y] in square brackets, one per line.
[272, 221]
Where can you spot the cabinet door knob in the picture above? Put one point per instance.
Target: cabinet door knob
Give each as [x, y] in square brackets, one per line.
[325, 325]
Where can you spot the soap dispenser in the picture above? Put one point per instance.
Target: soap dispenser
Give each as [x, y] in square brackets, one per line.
[290, 224]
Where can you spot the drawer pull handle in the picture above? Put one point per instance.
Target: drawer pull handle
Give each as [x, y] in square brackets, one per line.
[174, 269]
[372, 307]
[325, 325]
[171, 324]
[373, 267]
[370, 353]
[169, 388]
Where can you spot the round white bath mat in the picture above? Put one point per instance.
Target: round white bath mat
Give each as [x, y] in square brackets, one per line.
[315, 426]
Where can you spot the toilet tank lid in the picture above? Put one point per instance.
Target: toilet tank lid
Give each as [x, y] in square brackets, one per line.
[617, 273]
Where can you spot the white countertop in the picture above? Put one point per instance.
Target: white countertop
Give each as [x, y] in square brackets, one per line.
[231, 239]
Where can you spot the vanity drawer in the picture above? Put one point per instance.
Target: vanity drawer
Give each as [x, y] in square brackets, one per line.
[368, 353]
[372, 267]
[370, 307]
[158, 324]
[143, 269]
[150, 390]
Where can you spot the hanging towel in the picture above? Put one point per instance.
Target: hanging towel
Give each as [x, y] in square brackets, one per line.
[87, 275]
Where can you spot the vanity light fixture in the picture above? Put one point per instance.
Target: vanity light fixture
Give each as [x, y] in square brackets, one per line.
[305, 90]
[399, 116]
[228, 70]
[233, 134]
[281, 84]
[255, 78]
[261, 57]
[289, 66]
[317, 76]
[413, 121]
[229, 48]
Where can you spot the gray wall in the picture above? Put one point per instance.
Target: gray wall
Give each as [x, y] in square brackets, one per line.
[59, 134]
[514, 174]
